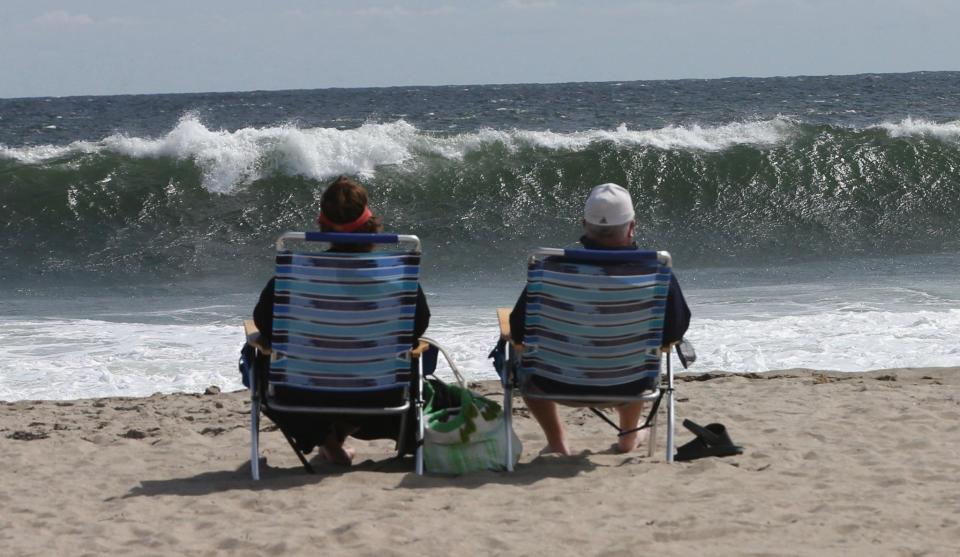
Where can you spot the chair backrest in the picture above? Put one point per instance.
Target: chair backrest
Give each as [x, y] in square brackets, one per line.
[595, 318]
[343, 321]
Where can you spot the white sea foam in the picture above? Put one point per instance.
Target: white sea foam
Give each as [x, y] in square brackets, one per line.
[229, 159]
[699, 138]
[840, 341]
[919, 127]
[717, 138]
[66, 359]
[37, 154]
[80, 358]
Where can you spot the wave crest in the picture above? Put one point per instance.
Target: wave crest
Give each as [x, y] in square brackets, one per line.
[779, 189]
[229, 159]
[694, 137]
[909, 127]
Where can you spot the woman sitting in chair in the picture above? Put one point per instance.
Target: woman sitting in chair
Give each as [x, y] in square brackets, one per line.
[343, 208]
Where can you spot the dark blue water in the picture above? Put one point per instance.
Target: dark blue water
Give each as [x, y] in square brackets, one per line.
[850, 101]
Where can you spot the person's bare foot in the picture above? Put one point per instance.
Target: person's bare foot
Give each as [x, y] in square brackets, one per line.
[337, 454]
[630, 441]
[563, 449]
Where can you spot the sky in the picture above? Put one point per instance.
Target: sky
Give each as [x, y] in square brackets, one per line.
[98, 47]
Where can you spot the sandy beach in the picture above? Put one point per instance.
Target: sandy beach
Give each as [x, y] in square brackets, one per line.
[835, 463]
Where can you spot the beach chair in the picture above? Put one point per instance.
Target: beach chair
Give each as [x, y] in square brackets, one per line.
[594, 325]
[342, 328]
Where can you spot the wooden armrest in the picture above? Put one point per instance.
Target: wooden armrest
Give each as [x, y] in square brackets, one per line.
[421, 347]
[666, 348]
[253, 337]
[503, 315]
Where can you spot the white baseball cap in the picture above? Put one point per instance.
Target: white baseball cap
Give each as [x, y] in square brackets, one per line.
[608, 205]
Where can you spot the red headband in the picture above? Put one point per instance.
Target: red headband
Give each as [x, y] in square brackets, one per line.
[350, 226]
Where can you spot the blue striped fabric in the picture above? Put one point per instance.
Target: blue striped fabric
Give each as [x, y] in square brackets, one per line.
[594, 323]
[343, 321]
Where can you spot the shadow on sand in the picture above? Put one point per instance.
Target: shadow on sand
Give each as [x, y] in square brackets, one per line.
[273, 479]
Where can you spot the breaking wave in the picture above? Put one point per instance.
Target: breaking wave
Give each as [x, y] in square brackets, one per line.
[228, 159]
[197, 200]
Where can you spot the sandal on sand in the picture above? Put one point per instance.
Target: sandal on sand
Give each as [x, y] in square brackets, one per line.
[711, 440]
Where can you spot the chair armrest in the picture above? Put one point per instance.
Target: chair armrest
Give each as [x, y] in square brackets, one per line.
[253, 337]
[666, 348]
[421, 347]
[503, 315]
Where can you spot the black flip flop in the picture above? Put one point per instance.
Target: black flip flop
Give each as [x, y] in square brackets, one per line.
[712, 440]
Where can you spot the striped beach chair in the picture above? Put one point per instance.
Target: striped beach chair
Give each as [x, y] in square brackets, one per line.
[342, 328]
[594, 326]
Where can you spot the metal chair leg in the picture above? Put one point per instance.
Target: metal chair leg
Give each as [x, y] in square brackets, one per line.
[420, 425]
[652, 439]
[671, 418]
[298, 452]
[255, 436]
[402, 437]
[506, 380]
[508, 423]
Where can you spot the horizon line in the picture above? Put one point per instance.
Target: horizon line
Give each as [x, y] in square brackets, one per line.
[503, 84]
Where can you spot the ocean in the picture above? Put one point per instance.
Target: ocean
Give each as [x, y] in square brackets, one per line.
[812, 220]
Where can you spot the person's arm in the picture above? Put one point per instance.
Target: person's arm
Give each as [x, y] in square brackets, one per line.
[518, 318]
[263, 311]
[677, 318]
[421, 316]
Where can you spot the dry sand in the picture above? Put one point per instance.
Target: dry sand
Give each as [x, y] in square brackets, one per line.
[840, 464]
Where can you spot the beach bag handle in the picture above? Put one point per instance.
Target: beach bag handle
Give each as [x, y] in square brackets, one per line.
[450, 362]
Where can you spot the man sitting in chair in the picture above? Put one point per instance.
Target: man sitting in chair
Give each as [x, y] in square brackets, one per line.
[608, 224]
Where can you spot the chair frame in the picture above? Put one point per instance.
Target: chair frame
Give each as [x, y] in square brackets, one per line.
[260, 397]
[509, 379]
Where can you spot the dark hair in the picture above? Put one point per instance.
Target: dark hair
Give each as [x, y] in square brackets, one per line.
[343, 202]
